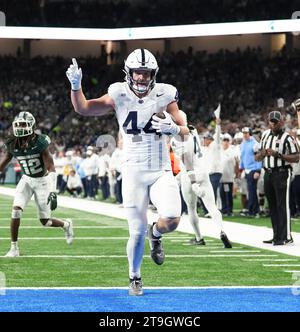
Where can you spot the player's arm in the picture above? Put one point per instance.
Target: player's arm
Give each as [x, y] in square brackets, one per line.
[174, 111]
[295, 107]
[5, 161]
[172, 124]
[49, 165]
[92, 107]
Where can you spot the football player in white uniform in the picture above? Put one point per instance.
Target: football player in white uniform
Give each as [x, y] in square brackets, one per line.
[195, 182]
[39, 178]
[146, 170]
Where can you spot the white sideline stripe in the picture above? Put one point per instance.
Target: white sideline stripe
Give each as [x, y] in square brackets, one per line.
[240, 233]
[277, 265]
[234, 251]
[268, 259]
[125, 256]
[153, 287]
[292, 271]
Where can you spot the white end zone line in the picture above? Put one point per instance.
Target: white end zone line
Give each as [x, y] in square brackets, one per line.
[240, 233]
[153, 287]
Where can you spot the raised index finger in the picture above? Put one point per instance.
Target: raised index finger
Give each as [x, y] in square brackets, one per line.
[74, 62]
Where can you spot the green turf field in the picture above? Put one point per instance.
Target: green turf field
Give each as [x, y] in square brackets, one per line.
[97, 256]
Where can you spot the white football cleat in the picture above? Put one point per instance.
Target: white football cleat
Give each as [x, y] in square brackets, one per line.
[13, 252]
[69, 234]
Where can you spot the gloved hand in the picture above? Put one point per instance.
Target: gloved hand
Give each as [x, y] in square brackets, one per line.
[165, 126]
[52, 199]
[74, 75]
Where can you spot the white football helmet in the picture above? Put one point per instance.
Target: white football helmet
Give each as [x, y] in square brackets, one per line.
[140, 59]
[23, 124]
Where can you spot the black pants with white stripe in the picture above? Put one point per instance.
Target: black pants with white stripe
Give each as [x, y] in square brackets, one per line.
[277, 187]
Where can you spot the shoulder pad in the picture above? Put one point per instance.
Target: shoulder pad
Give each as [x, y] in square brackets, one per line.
[116, 90]
[43, 141]
[167, 92]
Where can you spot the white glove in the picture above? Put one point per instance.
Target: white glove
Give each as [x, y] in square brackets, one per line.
[74, 75]
[165, 126]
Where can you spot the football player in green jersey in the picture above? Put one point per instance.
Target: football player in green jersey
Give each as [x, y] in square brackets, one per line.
[39, 178]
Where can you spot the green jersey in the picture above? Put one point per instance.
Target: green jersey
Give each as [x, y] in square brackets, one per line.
[30, 157]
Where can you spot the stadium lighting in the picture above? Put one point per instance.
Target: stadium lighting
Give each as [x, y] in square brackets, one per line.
[157, 32]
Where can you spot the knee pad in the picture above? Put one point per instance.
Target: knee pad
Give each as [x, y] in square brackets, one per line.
[47, 224]
[16, 214]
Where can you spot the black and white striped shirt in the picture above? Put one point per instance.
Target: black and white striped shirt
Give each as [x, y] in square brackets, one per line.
[283, 143]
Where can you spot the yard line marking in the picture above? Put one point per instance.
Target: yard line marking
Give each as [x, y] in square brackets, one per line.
[73, 218]
[75, 227]
[123, 256]
[292, 271]
[268, 259]
[281, 265]
[226, 250]
[76, 238]
[192, 244]
[206, 247]
[179, 241]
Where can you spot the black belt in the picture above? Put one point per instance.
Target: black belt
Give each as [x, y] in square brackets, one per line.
[276, 169]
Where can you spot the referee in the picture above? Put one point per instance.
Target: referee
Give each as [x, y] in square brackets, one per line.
[277, 151]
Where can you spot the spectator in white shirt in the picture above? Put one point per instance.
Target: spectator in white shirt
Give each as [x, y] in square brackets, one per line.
[74, 185]
[115, 169]
[230, 169]
[103, 170]
[212, 156]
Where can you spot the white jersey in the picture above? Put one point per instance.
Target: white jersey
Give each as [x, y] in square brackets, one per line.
[189, 146]
[212, 154]
[143, 147]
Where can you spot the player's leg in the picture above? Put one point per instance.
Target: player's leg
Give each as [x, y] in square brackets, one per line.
[22, 197]
[135, 201]
[164, 194]
[190, 199]
[41, 197]
[207, 195]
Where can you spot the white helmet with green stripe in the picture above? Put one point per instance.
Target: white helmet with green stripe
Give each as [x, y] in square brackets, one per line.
[23, 124]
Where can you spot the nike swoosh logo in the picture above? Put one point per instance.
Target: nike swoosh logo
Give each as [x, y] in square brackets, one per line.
[159, 95]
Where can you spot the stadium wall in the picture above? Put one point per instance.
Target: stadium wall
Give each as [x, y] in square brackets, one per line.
[73, 48]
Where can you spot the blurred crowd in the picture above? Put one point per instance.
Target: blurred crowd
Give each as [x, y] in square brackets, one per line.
[246, 83]
[134, 13]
